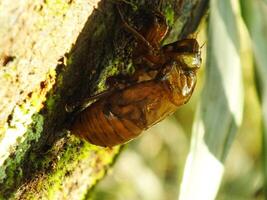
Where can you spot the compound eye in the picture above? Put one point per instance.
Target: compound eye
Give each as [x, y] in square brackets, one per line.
[192, 61]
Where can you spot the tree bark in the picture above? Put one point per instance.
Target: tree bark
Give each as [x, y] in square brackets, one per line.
[54, 53]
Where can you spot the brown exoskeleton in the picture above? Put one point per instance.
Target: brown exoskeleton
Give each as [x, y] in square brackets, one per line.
[164, 79]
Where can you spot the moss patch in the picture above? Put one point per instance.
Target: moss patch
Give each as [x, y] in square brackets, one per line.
[69, 156]
[11, 172]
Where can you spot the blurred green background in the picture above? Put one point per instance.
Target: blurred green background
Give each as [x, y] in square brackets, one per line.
[151, 167]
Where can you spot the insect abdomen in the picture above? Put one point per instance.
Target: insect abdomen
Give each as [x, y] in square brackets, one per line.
[103, 129]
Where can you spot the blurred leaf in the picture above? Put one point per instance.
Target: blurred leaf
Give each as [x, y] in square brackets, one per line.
[220, 111]
[221, 106]
[254, 13]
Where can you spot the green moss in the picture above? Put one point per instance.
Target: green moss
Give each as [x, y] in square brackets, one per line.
[101, 28]
[133, 3]
[114, 67]
[130, 68]
[169, 14]
[10, 172]
[50, 102]
[110, 70]
[75, 151]
[69, 60]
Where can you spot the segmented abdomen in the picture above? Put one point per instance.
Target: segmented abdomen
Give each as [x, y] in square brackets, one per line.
[103, 129]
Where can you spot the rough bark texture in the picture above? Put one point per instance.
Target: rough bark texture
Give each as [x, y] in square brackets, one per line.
[54, 53]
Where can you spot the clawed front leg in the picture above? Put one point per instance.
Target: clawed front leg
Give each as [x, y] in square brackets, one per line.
[137, 35]
[148, 53]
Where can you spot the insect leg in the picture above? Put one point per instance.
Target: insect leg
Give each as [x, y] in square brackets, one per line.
[137, 35]
[81, 105]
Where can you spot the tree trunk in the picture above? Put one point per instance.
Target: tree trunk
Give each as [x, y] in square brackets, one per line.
[54, 53]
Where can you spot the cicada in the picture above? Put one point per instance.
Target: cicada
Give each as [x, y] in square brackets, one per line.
[164, 79]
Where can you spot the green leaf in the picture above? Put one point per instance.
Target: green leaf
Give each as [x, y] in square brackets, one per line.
[254, 13]
[220, 110]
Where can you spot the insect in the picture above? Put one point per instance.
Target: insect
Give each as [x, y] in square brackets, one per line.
[164, 79]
